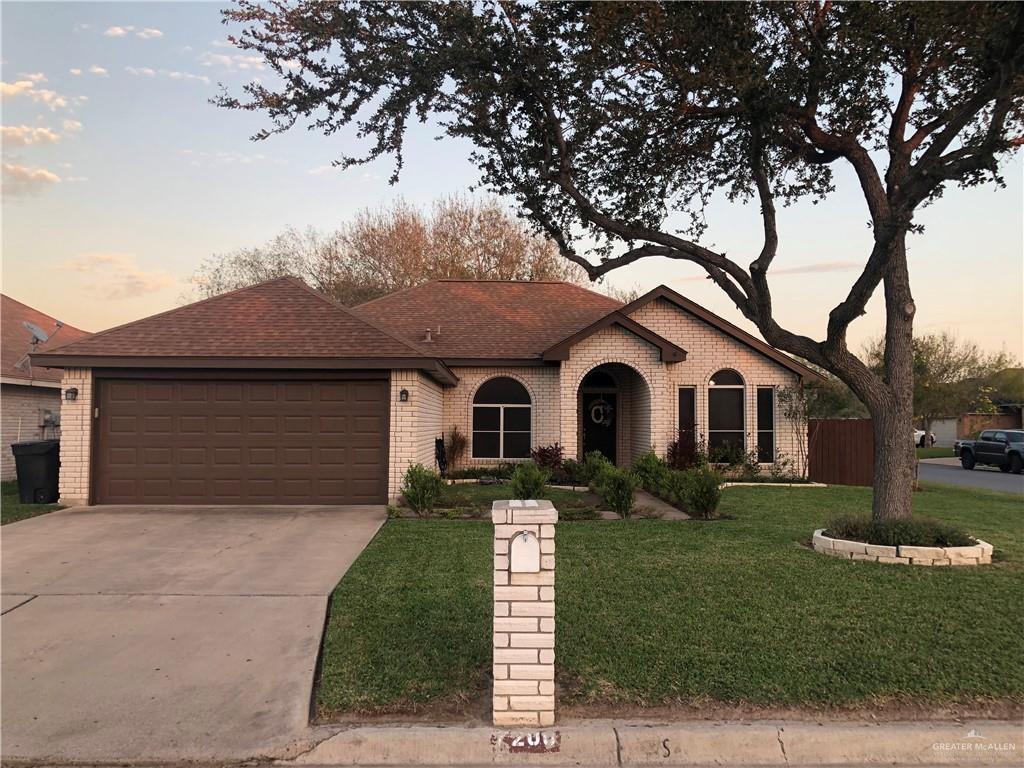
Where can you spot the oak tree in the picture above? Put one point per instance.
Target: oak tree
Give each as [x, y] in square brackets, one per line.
[603, 120]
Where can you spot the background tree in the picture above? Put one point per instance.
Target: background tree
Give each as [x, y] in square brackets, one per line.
[951, 376]
[385, 250]
[601, 120]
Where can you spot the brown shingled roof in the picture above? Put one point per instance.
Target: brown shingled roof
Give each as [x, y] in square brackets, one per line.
[17, 339]
[488, 320]
[282, 318]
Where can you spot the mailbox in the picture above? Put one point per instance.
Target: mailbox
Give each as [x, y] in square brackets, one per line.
[524, 553]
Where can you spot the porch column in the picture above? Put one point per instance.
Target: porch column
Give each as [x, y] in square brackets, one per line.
[524, 612]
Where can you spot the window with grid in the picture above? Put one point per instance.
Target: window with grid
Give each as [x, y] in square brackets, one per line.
[501, 420]
[766, 425]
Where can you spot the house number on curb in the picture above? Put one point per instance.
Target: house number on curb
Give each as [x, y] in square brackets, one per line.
[538, 742]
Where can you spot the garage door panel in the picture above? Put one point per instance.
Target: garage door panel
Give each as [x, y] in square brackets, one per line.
[233, 442]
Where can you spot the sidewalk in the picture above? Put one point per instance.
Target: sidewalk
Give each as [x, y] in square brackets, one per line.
[632, 743]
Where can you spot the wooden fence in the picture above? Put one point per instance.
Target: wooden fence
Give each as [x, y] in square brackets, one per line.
[840, 451]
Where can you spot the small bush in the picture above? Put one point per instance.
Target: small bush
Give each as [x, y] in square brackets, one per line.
[701, 492]
[618, 491]
[393, 512]
[574, 514]
[421, 488]
[547, 457]
[528, 481]
[649, 469]
[595, 466]
[915, 532]
[571, 472]
[455, 448]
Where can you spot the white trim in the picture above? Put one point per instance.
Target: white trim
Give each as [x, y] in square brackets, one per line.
[30, 382]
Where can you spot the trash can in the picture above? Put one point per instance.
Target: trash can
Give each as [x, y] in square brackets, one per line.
[38, 466]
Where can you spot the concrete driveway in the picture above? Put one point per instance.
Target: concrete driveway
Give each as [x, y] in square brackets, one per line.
[168, 633]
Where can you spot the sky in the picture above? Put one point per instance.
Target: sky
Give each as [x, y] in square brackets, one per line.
[120, 178]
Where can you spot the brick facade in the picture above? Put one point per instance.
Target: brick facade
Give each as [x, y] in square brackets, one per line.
[24, 418]
[76, 439]
[647, 409]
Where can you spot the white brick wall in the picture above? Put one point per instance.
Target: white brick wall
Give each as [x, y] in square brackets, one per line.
[414, 425]
[22, 419]
[76, 438]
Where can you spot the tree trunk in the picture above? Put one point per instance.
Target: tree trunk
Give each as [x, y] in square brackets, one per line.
[893, 415]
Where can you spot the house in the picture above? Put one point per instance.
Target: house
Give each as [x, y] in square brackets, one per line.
[276, 394]
[29, 395]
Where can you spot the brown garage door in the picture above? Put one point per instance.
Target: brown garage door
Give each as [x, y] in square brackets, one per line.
[241, 442]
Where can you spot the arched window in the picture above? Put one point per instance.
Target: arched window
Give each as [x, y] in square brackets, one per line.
[725, 412]
[501, 420]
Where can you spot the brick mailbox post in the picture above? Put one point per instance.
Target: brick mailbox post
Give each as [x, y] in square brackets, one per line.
[524, 612]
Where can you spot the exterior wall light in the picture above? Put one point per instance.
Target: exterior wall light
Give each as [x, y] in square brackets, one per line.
[71, 393]
[404, 395]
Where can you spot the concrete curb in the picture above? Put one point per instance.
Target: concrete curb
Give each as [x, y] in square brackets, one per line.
[623, 743]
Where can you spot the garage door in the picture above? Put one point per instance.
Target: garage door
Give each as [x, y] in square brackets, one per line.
[241, 442]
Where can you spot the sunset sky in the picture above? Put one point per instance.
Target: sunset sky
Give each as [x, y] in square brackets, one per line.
[120, 178]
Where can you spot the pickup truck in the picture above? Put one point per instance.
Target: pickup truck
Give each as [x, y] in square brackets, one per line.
[1003, 448]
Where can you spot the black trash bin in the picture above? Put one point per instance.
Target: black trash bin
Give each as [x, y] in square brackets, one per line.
[38, 466]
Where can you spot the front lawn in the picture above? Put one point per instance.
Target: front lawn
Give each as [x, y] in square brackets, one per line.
[935, 452]
[12, 510]
[654, 612]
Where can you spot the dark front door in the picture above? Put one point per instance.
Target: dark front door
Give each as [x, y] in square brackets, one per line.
[600, 418]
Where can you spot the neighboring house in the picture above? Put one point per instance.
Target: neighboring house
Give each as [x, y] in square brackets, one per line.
[276, 394]
[29, 395]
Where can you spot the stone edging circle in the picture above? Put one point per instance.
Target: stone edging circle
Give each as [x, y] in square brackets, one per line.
[979, 554]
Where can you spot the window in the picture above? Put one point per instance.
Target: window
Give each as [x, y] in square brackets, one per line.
[766, 425]
[725, 412]
[687, 445]
[501, 420]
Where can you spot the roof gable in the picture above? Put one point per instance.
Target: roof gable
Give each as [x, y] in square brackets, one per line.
[670, 353]
[17, 339]
[488, 320]
[282, 319]
[723, 325]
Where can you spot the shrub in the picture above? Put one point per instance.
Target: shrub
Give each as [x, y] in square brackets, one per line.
[618, 491]
[393, 512]
[595, 466]
[528, 481]
[679, 457]
[729, 454]
[648, 469]
[701, 492]
[915, 532]
[421, 488]
[573, 514]
[547, 457]
[572, 471]
[455, 447]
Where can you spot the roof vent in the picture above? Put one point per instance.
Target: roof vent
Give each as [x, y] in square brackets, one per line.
[427, 336]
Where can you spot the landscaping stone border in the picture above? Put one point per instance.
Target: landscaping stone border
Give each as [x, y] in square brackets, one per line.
[979, 554]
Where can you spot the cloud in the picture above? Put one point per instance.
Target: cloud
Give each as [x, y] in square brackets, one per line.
[149, 33]
[146, 33]
[71, 126]
[320, 170]
[175, 75]
[143, 71]
[23, 135]
[222, 157]
[75, 71]
[233, 61]
[51, 99]
[97, 70]
[35, 77]
[23, 180]
[117, 31]
[806, 269]
[116, 275]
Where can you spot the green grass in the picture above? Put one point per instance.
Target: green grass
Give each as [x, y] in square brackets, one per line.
[935, 452]
[665, 612]
[12, 510]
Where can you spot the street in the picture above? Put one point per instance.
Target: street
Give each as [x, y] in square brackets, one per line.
[949, 471]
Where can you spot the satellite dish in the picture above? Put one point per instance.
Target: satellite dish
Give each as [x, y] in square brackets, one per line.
[39, 336]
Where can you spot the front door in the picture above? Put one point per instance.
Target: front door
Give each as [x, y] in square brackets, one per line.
[599, 417]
